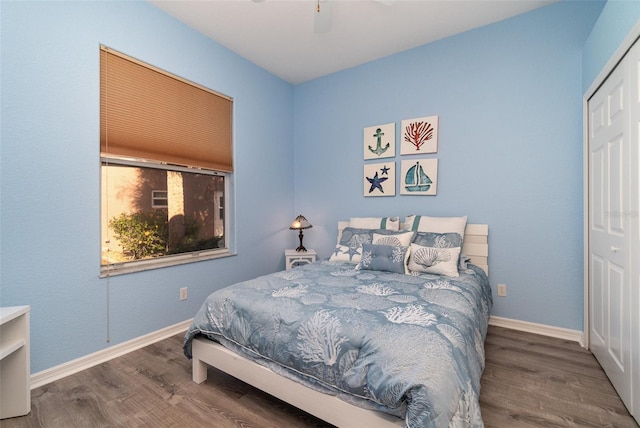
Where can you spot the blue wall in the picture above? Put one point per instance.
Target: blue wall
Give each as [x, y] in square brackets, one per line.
[50, 218]
[617, 19]
[508, 98]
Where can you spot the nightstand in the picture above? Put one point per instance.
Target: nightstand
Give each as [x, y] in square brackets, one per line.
[295, 258]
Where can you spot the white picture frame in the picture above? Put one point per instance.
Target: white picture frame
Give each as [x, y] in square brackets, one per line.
[419, 177]
[419, 136]
[379, 179]
[379, 141]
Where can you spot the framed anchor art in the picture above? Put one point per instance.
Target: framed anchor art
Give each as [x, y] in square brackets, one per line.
[380, 141]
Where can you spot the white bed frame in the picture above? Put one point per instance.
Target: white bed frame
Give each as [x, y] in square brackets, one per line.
[326, 407]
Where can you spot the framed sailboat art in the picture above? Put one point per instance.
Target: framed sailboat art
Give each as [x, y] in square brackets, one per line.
[419, 177]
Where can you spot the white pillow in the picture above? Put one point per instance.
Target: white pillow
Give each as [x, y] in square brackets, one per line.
[389, 223]
[439, 261]
[402, 239]
[422, 223]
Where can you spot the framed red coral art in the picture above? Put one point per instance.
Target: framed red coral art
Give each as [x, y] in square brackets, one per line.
[419, 136]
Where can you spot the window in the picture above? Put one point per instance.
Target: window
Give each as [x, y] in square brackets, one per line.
[165, 146]
[159, 199]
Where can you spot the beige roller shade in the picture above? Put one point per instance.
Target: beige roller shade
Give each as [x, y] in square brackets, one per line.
[150, 114]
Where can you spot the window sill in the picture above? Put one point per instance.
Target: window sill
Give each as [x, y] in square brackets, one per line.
[161, 262]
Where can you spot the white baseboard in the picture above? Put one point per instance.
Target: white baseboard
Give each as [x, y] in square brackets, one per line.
[74, 366]
[531, 327]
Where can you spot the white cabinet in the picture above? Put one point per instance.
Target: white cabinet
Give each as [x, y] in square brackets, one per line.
[15, 388]
[295, 258]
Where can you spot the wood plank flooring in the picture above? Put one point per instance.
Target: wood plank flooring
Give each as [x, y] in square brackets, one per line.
[529, 381]
[537, 381]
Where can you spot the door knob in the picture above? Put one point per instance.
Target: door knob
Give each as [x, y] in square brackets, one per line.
[614, 249]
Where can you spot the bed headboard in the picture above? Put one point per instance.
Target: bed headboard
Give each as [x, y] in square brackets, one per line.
[475, 244]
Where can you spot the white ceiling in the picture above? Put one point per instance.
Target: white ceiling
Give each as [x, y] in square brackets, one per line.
[279, 36]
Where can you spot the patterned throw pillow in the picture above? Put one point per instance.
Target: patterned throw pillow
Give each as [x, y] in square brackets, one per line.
[439, 261]
[388, 258]
[354, 236]
[344, 253]
[350, 246]
[439, 240]
[398, 238]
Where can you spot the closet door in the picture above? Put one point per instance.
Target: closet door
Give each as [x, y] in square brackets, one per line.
[609, 235]
[634, 139]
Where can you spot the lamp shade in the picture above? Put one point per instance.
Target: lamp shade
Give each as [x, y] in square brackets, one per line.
[300, 223]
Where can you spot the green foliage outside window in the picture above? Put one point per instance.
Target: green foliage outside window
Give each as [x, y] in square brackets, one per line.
[141, 234]
[145, 234]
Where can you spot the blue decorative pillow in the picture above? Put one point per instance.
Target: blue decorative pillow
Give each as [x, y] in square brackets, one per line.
[354, 237]
[386, 258]
[349, 248]
[438, 240]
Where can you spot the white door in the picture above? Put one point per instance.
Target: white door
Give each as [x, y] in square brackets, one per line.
[634, 218]
[609, 236]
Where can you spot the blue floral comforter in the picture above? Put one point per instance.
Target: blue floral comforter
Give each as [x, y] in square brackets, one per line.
[412, 346]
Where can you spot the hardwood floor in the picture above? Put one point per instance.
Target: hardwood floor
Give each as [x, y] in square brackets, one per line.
[529, 381]
[537, 381]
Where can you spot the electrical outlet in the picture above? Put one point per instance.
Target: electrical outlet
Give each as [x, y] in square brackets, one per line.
[183, 293]
[502, 290]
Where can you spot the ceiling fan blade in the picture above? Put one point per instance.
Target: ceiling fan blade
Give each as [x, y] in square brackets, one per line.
[322, 18]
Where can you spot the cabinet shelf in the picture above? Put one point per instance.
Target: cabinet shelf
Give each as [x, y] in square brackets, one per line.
[15, 385]
[11, 347]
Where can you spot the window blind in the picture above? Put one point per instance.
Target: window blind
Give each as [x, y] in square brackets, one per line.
[150, 114]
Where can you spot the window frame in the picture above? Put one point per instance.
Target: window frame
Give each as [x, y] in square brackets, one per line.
[124, 84]
[155, 198]
[125, 267]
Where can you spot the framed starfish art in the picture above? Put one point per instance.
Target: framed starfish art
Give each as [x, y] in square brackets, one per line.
[380, 179]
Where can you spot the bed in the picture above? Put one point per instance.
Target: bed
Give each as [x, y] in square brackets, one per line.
[366, 344]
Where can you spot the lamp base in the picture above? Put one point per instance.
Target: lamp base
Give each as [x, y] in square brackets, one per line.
[300, 247]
